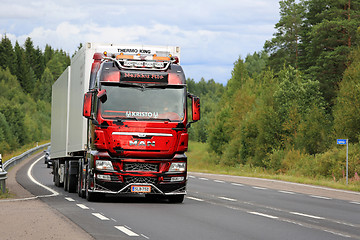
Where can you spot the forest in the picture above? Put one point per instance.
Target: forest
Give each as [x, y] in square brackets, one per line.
[26, 76]
[285, 106]
[281, 111]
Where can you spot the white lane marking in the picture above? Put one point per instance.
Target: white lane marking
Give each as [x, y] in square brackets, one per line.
[259, 188]
[344, 223]
[286, 192]
[70, 199]
[219, 181]
[276, 181]
[191, 176]
[307, 215]
[100, 216]
[320, 197]
[82, 206]
[338, 234]
[145, 236]
[196, 199]
[263, 215]
[228, 199]
[358, 203]
[126, 231]
[237, 184]
[204, 179]
[54, 193]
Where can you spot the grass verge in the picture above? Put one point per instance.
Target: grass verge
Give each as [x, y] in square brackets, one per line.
[200, 160]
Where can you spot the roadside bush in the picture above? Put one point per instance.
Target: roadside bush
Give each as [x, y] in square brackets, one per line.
[273, 161]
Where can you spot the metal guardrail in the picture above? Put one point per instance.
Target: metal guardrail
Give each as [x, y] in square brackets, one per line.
[3, 177]
[12, 162]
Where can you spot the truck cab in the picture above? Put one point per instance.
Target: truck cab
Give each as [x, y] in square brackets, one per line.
[138, 118]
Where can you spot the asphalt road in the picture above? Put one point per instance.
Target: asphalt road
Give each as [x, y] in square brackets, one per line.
[213, 209]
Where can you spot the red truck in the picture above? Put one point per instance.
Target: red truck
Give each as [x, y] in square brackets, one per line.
[120, 120]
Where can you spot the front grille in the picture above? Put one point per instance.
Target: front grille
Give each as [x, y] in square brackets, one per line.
[138, 166]
[147, 180]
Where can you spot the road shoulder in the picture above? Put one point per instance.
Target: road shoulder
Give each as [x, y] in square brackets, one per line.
[24, 216]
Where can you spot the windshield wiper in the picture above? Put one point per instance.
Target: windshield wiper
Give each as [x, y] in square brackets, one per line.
[127, 118]
[159, 119]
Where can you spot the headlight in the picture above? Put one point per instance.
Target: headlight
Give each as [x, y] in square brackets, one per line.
[104, 165]
[178, 167]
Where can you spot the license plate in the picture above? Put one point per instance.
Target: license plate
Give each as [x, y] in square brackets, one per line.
[141, 189]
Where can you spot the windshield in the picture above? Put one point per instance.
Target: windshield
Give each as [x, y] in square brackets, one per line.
[140, 103]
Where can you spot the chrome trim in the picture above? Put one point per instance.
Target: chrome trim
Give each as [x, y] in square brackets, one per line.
[142, 135]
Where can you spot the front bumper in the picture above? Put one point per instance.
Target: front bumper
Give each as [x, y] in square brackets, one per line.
[158, 185]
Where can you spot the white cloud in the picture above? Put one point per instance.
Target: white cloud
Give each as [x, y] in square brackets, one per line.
[211, 33]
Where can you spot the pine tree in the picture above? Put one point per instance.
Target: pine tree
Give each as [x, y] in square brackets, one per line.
[284, 47]
[331, 34]
[7, 55]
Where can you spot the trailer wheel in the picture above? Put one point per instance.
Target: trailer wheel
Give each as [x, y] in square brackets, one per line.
[176, 198]
[56, 174]
[72, 183]
[66, 174]
[71, 179]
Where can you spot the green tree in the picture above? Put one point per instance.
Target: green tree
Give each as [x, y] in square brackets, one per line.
[256, 63]
[44, 86]
[284, 47]
[48, 53]
[24, 74]
[210, 95]
[331, 34]
[347, 106]
[58, 63]
[7, 55]
[294, 100]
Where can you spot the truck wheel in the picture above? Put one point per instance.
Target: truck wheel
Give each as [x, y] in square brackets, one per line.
[90, 196]
[56, 174]
[72, 183]
[176, 198]
[66, 174]
[80, 191]
[71, 179]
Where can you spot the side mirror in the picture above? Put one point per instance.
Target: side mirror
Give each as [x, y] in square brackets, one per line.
[102, 95]
[87, 105]
[195, 108]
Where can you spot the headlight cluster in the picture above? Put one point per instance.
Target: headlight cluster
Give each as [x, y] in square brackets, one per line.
[104, 165]
[177, 167]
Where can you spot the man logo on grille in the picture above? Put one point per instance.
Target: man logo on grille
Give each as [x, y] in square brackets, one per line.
[142, 143]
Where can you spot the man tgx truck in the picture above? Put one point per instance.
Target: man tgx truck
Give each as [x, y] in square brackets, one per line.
[119, 122]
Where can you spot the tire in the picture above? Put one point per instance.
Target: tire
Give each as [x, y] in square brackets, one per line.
[56, 174]
[72, 183]
[66, 174]
[90, 196]
[176, 198]
[81, 193]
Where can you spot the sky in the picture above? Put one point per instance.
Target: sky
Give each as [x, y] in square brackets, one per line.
[212, 34]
